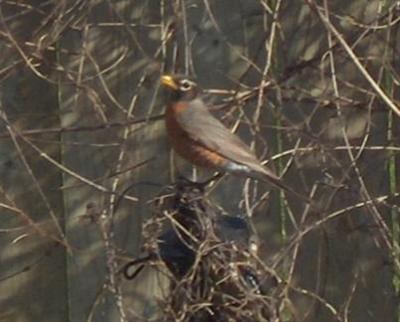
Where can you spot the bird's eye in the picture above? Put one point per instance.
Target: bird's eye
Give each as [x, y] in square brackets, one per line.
[186, 85]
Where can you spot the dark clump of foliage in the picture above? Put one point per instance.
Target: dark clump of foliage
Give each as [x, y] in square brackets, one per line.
[213, 266]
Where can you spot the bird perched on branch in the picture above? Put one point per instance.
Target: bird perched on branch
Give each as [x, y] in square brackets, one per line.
[200, 138]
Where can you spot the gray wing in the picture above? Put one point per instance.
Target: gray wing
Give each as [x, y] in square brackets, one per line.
[204, 128]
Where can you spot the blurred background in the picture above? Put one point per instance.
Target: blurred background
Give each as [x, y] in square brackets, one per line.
[311, 86]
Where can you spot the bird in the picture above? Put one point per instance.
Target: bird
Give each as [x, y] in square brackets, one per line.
[200, 138]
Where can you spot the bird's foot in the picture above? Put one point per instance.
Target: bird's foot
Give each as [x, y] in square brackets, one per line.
[185, 182]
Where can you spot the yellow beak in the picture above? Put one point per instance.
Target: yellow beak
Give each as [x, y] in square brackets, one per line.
[168, 81]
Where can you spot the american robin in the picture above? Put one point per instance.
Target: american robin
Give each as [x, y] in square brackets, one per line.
[197, 136]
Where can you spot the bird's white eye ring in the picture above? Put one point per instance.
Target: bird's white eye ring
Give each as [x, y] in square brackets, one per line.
[186, 85]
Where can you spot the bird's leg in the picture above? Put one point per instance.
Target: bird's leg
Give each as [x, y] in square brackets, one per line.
[183, 181]
[213, 178]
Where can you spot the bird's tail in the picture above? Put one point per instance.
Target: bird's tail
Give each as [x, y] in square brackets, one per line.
[271, 178]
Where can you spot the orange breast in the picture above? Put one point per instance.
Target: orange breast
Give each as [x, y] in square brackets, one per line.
[185, 146]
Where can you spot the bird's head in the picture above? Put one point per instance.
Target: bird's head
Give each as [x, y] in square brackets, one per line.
[180, 87]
